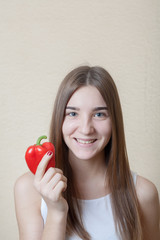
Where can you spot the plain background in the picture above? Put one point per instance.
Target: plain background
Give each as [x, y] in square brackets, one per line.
[40, 42]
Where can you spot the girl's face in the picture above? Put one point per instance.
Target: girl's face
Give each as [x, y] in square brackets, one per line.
[87, 126]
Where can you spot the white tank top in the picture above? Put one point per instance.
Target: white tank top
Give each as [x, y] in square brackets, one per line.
[97, 217]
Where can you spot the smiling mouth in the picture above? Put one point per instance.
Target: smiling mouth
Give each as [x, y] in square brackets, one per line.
[84, 141]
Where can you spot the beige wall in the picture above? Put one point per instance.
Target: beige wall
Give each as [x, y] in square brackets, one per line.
[40, 41]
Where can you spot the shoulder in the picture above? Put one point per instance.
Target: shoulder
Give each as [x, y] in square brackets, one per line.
[149, 205]
[25, 180]
[24, 190]
[146, 190]
[27, 206]
[24, 184]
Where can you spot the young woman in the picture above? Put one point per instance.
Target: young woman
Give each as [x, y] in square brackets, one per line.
[92, 193]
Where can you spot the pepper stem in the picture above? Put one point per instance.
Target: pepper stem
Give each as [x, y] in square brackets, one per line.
[39, 139]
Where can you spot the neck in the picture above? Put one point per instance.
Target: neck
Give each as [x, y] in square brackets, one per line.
[87, 168]
[89, 176]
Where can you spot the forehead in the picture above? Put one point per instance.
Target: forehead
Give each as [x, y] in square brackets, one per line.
[88, 95]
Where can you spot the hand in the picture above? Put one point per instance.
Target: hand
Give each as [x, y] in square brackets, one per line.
[50, 185]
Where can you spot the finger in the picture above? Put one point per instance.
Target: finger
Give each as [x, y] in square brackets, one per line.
[57, 192]
[49, 174]
[42, 165]
[55, 180]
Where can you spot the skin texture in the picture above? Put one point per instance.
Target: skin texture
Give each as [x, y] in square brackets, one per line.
[86, 131]
[149, 203]
[28, 192]
[86, 128]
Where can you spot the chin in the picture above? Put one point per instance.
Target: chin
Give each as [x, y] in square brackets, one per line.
[84, 156]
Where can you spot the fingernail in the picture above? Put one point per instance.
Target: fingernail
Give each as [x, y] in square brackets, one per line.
[49, 153]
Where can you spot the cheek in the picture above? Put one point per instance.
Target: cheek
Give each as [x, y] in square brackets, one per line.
[106, 130]
[68, 127]
[108, 133]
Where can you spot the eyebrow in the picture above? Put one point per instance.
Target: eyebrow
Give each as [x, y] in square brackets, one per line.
[94, 109]
[72, 108]
[100, 108]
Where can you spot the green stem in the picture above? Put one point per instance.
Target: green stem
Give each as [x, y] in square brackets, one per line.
[39, 139]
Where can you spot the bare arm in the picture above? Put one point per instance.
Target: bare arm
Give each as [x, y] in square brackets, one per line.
[27, 205]
[149, 204]
[29, 190]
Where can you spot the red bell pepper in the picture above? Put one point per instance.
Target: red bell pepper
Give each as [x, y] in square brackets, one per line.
[35, 153]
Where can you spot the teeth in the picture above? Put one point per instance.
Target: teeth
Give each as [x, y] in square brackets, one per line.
[85, 142]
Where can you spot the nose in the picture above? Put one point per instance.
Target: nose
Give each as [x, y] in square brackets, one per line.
[86, 125]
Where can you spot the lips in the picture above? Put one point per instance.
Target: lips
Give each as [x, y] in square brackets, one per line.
[85, 141]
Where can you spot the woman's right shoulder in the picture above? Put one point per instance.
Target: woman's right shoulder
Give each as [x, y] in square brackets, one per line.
[24, 183]
[24, 189]
[28, 207]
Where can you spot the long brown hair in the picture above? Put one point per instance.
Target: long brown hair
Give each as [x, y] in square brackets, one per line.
[124, 199]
